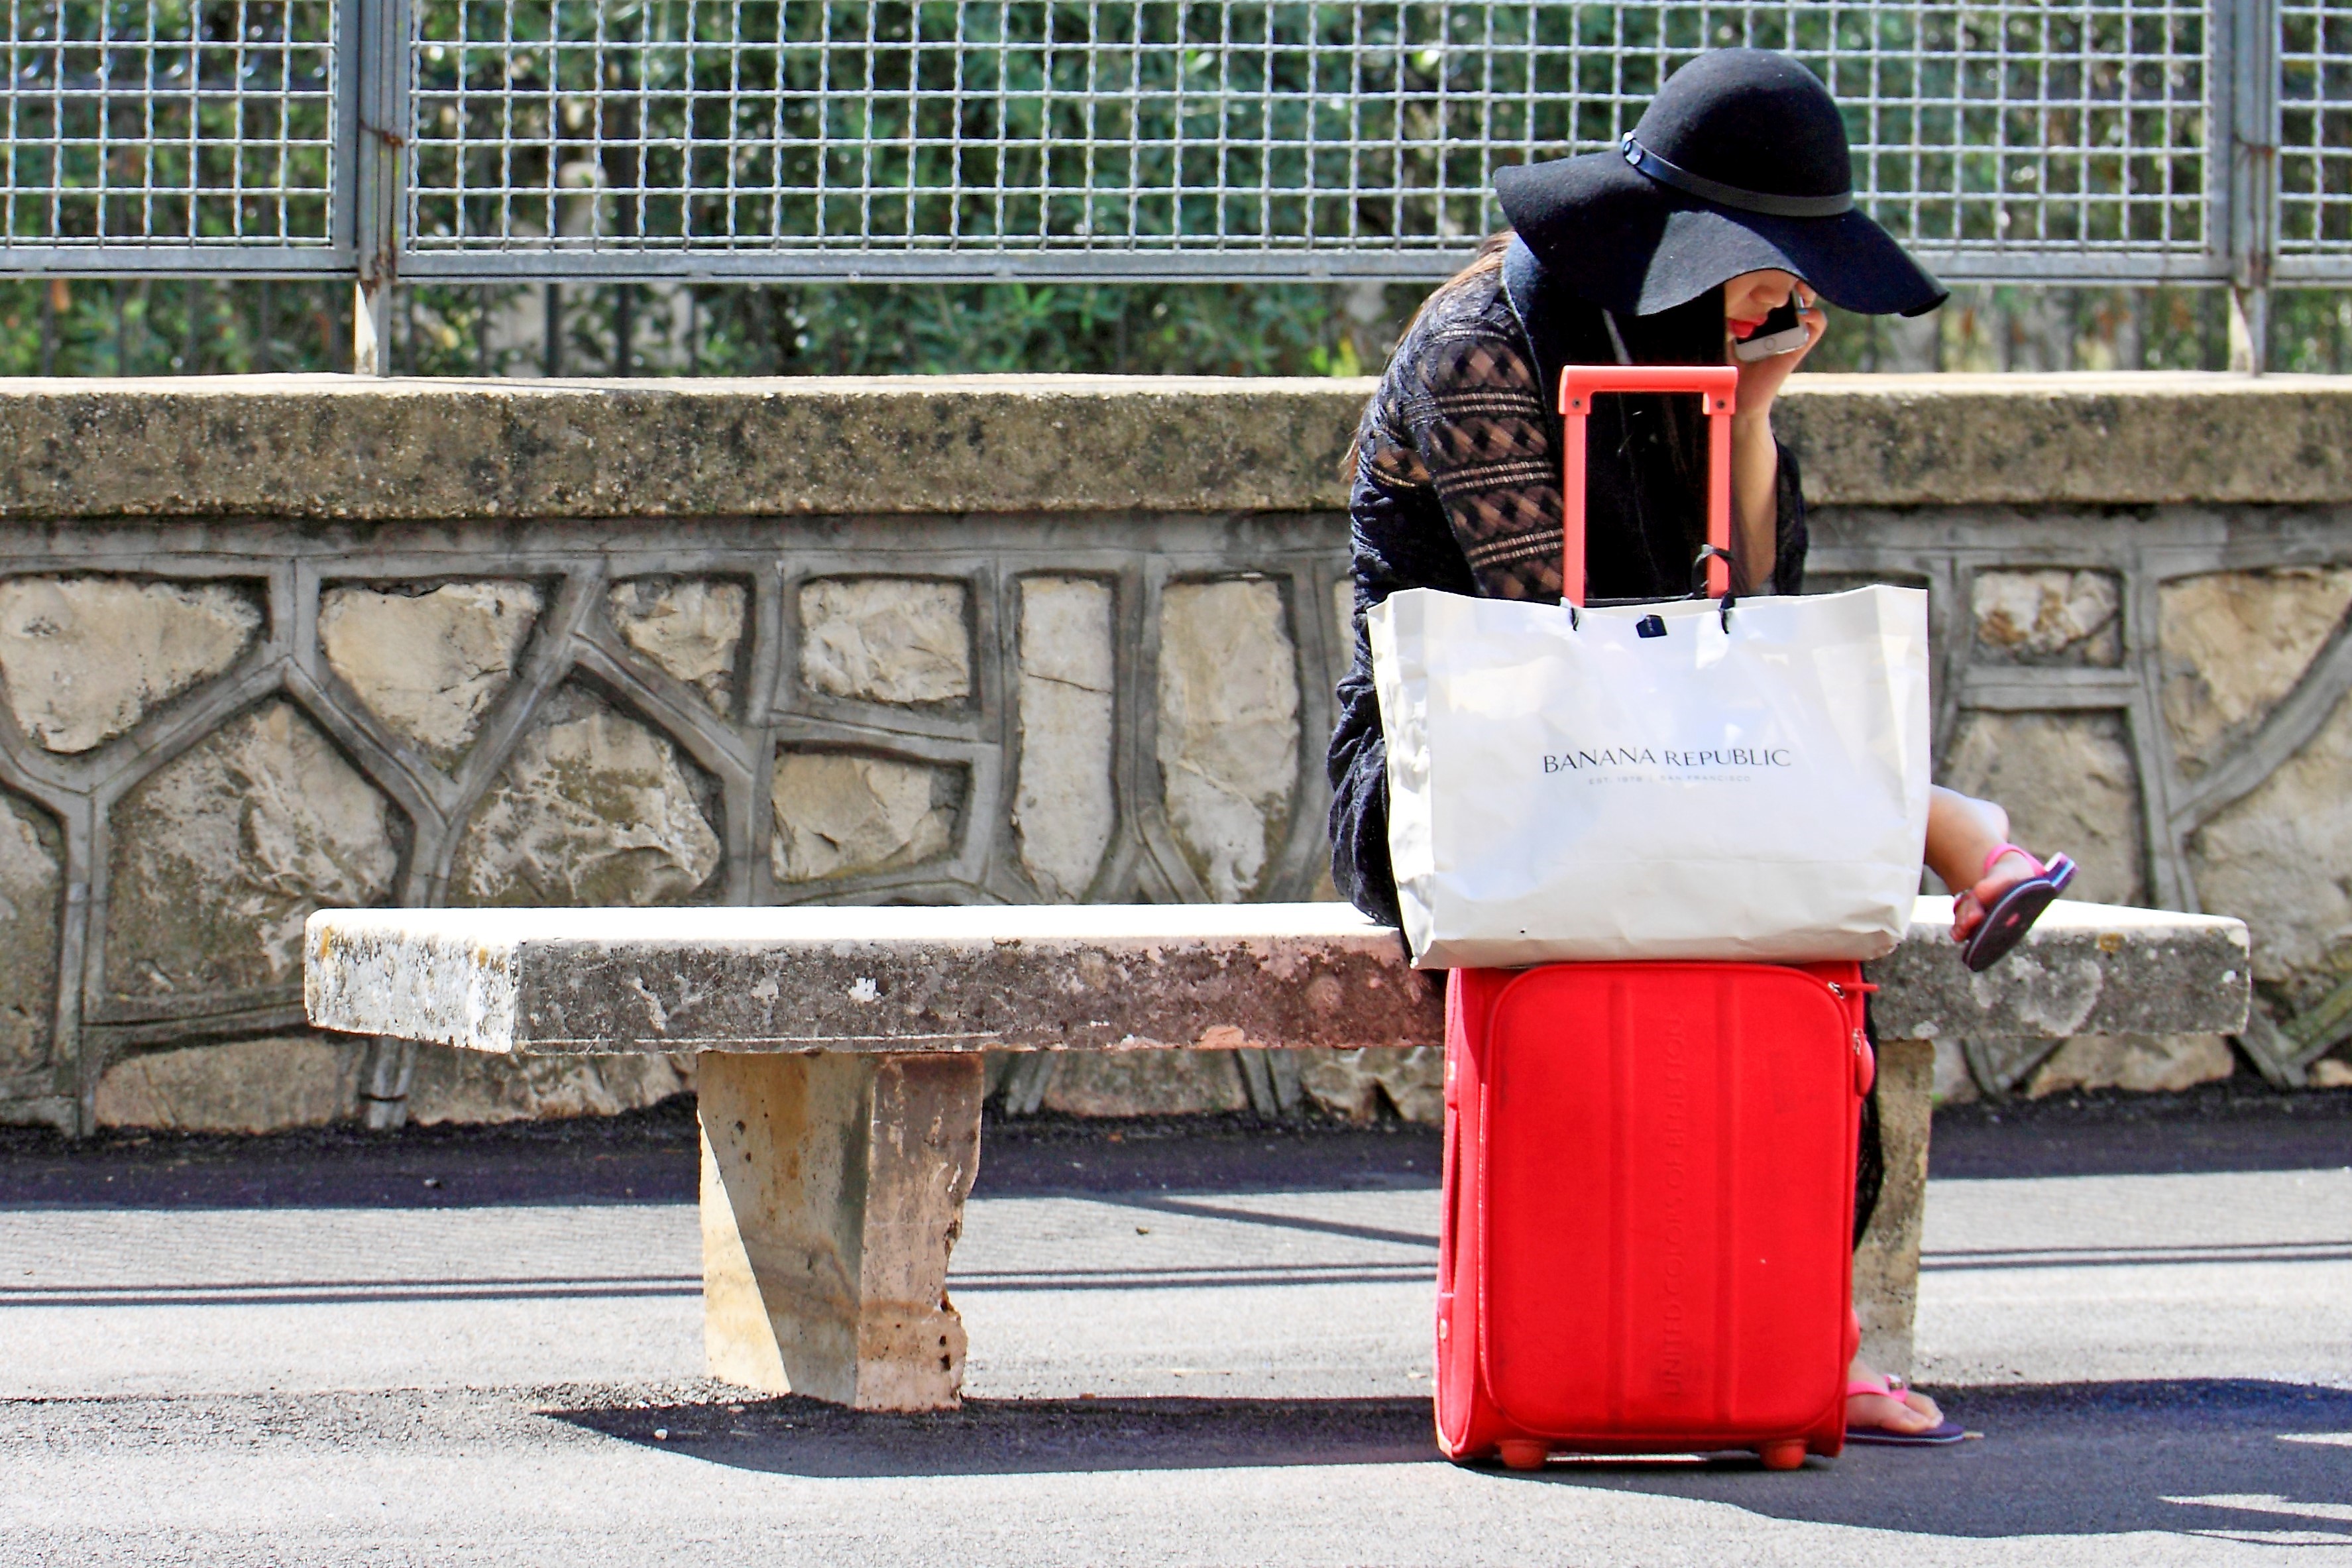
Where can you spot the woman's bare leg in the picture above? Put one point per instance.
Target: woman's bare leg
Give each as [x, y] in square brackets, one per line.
[1962, 834]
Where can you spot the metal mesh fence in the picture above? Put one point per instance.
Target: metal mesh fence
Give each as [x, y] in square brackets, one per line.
[2314, 167]
[2060, 140]
[146, 124]
[1215, 132]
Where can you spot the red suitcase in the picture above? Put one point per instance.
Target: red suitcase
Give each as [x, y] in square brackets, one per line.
[1647, 1242]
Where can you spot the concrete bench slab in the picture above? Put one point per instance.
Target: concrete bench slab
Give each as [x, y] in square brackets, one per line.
[2083, 969]
[1114, 976]
[1022, 977]
[840, 1076]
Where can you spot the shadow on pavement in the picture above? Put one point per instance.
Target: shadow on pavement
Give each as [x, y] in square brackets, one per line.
[1006, 1437]
[2058, 1459]
[2237, 1124]
[650, 1155]
[2065, 1459]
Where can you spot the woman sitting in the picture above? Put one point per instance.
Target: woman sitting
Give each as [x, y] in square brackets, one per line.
[1731, 200]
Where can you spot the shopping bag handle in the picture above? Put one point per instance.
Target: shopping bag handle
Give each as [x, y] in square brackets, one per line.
[1717, 386]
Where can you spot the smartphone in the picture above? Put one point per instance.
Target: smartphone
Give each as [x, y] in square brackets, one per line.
[1783, 333]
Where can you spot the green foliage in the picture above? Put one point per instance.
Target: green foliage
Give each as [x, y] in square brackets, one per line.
[891, 329]
[168, 326]
[2053, 329]
[2311, 333]
[1207, 329]
[171, 327]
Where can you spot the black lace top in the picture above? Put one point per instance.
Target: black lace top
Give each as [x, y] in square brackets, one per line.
[1457, 487]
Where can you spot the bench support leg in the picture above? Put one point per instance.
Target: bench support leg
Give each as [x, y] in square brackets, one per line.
[1886, 1265]
[833, 1190]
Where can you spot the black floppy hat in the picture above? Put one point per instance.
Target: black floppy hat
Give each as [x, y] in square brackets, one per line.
[1739, 164]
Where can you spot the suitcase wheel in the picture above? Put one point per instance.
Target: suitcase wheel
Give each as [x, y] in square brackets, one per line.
[1524, 1453]
[1782, 1453]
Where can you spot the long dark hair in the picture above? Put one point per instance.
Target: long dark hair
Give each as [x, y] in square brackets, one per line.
[1487, 258]
[1689, 333]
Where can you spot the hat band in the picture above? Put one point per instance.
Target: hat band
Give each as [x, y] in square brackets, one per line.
[1721, 195]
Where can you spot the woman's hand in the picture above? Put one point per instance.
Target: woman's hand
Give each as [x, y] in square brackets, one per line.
[1755, 457]
[1760, 380]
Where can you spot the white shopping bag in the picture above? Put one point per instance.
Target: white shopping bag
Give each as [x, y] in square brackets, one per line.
[1675, 780]
[1744, 786]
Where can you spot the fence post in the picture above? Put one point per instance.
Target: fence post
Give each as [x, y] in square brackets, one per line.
[2251, 36]
[381, 165]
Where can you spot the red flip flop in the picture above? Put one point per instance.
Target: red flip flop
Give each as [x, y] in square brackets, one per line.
[2020, 905]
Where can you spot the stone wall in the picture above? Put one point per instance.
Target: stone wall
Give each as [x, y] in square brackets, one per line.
[271, 645]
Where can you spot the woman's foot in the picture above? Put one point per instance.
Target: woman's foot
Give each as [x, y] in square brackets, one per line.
[2003, 918]
[1901, 1410]
[1998, 890]
[2009, 866]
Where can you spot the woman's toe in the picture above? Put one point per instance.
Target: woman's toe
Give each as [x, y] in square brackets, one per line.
[1968, 913]
[1886, 1414]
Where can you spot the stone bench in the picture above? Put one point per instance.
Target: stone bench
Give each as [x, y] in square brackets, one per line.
[840, 1070]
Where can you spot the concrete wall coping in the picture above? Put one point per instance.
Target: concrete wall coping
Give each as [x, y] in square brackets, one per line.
[366, 449]
[554, 981]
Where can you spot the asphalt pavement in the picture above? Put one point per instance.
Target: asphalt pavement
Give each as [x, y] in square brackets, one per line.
[484, 1346]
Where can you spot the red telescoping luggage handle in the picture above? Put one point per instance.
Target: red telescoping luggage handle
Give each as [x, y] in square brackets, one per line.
[1716, 385]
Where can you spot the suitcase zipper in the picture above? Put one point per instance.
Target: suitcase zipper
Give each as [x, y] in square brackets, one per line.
[1865, 1061]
